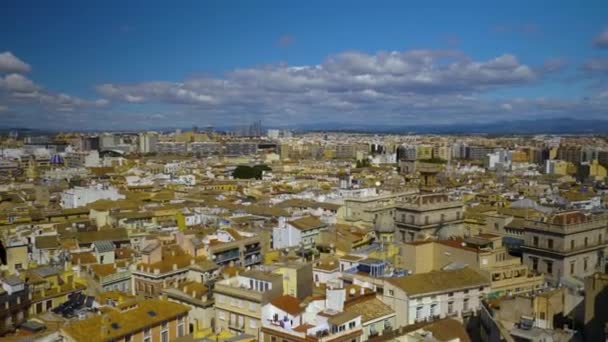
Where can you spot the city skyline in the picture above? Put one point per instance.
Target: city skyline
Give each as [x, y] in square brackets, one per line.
[153, 64]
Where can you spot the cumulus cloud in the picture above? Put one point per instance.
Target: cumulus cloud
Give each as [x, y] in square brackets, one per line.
[601, 41]
[21, 91]
[17, 83]
[10, 63]
[421, 86]
[346, 80]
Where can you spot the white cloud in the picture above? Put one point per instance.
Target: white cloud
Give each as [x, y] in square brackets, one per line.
[10, 63]
[17, 83]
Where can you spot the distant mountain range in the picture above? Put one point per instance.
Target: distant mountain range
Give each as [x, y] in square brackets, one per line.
[548, 126]
[544, 126]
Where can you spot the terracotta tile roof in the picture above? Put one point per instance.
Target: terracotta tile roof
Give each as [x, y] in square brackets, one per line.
[83, 258]
[150, 312]
[307, 223]
[439, 281]
[47, 241]
[289, 304]
[370, 309]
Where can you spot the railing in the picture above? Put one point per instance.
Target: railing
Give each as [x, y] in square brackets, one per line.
[115, 277]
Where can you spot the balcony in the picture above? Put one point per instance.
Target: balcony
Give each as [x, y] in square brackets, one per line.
[225, 257]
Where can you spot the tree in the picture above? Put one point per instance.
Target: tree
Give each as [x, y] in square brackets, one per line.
[249, 172]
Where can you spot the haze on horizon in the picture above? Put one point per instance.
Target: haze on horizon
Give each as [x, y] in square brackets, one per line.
[150, 64]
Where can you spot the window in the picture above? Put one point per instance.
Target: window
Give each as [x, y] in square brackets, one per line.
[585, 263]
[426, 220]
[572, 244]
[351, 325]
[442, 217]
[451, 294]
[534, 263]
[49, 304]
[434, 310]
[181, 325]
[535, 241]
[495, 225]
[572, 266]
[465, 304]
[542, 315]
[418, 313]
[549, 265]
[586, 241]
[450, 307]
[458, 215]
[391, 292]
[19, 266]
[466, 292]
[128, 338]
[164, 336]
[550, 243]
[147, 335]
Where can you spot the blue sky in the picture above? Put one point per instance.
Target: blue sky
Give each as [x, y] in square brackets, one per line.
[151, 64]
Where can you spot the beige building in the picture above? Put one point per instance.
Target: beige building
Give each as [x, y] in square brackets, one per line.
[239, 300]
[566, 244]
[483, 252]
[433, 295]
[425, 215]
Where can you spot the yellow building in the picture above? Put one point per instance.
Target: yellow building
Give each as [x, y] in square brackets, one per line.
[297, 278]
[50, 287]
[597, 171]
[424, 152]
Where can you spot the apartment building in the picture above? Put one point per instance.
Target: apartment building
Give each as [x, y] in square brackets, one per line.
[161, 267]
[205, 148]
[148, 321]
[566, 244]
[432, 214]
[483, 252]
[239, 300]
[287, 319]
[168, 147]
[240, 148]
[301, 232]
[433, 295]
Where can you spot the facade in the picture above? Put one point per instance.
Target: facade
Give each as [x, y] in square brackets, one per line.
[147, 142]
[239, 300]
[483, 252]
[205, 148]
[81, 196]
[196, 295]
[301, 232]
[169, 147]
[428, 215]
[240, 148]
[434, 295]
[566, 244]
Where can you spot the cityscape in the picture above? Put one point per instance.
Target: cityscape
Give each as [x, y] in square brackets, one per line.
[303, 172]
